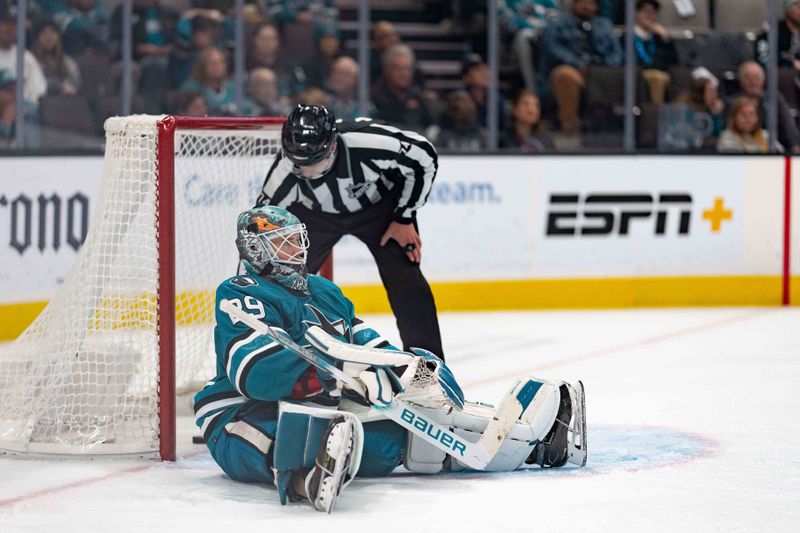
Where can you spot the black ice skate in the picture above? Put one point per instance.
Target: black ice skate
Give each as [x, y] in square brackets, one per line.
[326, 479]
[566, 440]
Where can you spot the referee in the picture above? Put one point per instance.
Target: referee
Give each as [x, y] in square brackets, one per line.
[368, 180]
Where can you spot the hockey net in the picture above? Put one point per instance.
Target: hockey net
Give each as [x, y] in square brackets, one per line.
[93, 374]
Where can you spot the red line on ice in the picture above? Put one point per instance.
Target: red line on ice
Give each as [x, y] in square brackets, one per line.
[83, 482]
[619, 348]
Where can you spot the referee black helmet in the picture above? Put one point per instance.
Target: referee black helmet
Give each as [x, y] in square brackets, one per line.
[308, 135]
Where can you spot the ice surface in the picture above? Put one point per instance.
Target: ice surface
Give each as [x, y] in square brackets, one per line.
[694, 425]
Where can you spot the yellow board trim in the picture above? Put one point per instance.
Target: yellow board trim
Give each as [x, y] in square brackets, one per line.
[14, 318]
[594, 293]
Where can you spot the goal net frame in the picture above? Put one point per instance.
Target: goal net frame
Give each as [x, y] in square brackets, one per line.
[162, 401]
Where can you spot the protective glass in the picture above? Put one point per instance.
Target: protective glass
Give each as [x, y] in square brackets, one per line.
[286, 245]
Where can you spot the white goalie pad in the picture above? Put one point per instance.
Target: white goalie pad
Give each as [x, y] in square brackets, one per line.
[526, 429]
[302, 431]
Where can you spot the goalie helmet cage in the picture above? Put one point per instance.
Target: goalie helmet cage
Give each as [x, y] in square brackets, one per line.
[97, 372]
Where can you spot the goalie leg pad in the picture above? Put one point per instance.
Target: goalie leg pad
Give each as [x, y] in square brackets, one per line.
[541, 412]
[529, 408]
[423, 457]
[300, 430]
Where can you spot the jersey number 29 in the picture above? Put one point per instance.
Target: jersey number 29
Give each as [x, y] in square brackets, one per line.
[251, 306]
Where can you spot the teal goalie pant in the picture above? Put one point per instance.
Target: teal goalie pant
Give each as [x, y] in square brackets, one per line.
[244, 448]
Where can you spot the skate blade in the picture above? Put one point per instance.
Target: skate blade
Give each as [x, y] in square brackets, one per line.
[335, 481]
[577, 449]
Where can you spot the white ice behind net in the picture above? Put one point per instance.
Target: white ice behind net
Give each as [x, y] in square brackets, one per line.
[82, 379]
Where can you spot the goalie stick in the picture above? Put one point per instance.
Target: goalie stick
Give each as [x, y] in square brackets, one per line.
[476, 455]
[506, 415]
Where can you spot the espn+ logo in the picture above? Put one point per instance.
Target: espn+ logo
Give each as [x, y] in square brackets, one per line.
[600, 214]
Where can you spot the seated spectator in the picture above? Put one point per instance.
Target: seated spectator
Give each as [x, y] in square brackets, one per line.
[253, 15]
[655, 53]
[265, 51]
[210, 78]
[204, 34]
[153, 32]
[34, 84]
[223, 12]
[702, 98]
[84, 25]
[191, 104]
[320, 13]
[475, 76]
[60, 70]
[752, 82]
[744, 133]
[571, 43]
[184, 29]
[262, 91]
[385, 36]
[264, 48]
[312, 96]
[524, 21]
[613, 10]
[397, 100]
[342, 88]
[8, 114]
[459, 129]
[8, 108]
[788, 38]
[328, 48]
[788, 43]
[525, 132]
[35, 13]
[298, 20]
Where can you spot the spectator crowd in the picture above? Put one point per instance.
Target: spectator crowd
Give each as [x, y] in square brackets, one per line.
[560, 82]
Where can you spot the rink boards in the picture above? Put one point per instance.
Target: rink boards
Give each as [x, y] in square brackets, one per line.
[498, 232]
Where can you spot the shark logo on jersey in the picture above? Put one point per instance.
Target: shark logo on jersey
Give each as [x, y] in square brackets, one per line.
[337, 328]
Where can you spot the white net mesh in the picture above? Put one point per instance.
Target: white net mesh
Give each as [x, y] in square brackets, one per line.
[83, 378]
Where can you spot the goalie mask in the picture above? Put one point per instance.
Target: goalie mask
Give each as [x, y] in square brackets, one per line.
[272, 243]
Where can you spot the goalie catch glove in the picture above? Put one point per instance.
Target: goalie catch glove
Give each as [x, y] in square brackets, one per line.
[431, 383]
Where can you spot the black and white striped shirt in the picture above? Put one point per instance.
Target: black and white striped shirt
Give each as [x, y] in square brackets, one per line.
[373, 159]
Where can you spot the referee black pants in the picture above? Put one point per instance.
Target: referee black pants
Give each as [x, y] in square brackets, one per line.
[409, 293]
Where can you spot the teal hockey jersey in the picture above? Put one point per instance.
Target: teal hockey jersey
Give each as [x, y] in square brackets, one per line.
[252, 367]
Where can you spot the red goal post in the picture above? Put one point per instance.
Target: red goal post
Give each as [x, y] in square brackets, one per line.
[98, 371]
[167, 127]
